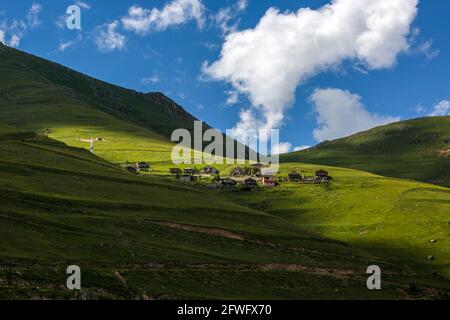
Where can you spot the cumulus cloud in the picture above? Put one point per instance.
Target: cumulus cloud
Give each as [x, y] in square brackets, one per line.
[61, 21]
[441, 109]
[300, 148]
[285, 49]
[426, 48]
[341, 113]
[225, 18]
[33, 15]
[233, 97]
[151, 80]
[282, 147]
[66, 44]
[83, 5]
[177, 12]
[419, 109]
[11, 33]
[63, 45]
[2, 36]
[108, 39]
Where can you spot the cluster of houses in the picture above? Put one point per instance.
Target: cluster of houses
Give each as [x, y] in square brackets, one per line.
[248, 177]
[319, 177]
[137, 167]
[192, 174]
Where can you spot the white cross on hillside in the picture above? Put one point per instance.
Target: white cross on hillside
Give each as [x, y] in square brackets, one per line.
[92, 142]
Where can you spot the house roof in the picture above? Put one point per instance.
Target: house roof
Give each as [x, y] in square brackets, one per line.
[258, 165]
[228, 180]
[268, 172]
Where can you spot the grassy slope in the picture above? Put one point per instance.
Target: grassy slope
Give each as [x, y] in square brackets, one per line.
[62, 205]
[391, 218]
[29, 80]
[36, 94]
[416, 149]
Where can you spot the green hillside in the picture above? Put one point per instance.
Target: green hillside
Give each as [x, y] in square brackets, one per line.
[145, 237]
[36, 95]
[403, 221]
[416, 149]
[148, 236]
[33, 83]
[137, 236]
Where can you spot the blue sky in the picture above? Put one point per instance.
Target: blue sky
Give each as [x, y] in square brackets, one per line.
[317, 74]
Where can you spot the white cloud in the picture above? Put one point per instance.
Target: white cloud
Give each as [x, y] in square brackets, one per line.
[2, 36]
[285, 49]
[12, 33]
[419, 109]
[61, 21]
[225, 18]
[426, 48]
[177, 12]
[341, 113]
[282, 147]
[151, 80]
[83, 5]
[441, 109]
[233, 97]
[14, 40]
[300, 148]
[108, 39]
[33, 15]
[209, 45]
[64, 45]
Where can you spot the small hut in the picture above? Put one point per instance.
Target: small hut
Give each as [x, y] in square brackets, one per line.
[131, 169]
[258, 165]
[295, 177]
[210, 170]
[189, 171]
[268, 177]
[322, 175]
[238, 172]
[228, 182]
[175, 170]
[250, 183]
[144, 166]
[187, 178]
[269, 181]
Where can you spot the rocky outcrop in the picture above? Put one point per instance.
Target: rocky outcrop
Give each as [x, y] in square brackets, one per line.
[170, 106]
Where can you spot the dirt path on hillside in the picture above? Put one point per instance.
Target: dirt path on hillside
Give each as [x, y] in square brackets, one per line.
[206, 230]
[330, 272]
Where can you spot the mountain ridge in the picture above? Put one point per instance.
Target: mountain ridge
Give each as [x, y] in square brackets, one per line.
[115, 100]
[416, 149]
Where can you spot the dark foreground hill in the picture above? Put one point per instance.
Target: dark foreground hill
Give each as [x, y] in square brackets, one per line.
[416, 149]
